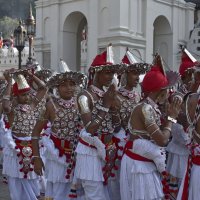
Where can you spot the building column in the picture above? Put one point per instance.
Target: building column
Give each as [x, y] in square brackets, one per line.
[55, 36]
[92, 30]
[38, 40]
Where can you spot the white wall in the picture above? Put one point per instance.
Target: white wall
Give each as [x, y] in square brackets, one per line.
[121, 22]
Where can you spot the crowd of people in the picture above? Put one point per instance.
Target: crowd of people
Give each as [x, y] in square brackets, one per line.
[98, 137]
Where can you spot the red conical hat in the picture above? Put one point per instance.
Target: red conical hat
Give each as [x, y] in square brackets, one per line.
[103, 61]
[187, 62]
[133, 65]
[129, 58]
[20, 86]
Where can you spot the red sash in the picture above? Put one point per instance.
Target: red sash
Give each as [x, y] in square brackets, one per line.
[86, 143]
[195, 160]
[26, 153]
[63, 147]
[132, 155]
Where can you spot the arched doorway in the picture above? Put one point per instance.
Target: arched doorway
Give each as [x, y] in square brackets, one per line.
[75, 41]
[163, 40]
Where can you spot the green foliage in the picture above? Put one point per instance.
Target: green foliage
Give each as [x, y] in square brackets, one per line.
[16, 8]
[10, 12]
[7, 26]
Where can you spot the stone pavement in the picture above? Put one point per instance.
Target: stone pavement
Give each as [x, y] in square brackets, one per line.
[4, 194]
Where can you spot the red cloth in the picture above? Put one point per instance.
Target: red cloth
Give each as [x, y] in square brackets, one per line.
[195, 160]
[86, 144]
[17, 91]
[101, 59]
[186, 63]
[63, 150]
[154, 80]
[58, 141]
[126, 60]
[132, 155]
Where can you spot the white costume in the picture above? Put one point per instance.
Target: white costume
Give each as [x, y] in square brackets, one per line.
[177, 153]
[190, 186]
[21, 186]
[128, 100]
[194, 180]
[59, 156]
[17, 153]
[142, 161]
[89, 164]
[141, 179]
[91, 168]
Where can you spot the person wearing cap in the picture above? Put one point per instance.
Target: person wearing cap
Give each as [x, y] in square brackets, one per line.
[129, 96]
[187, 71]
[22, 112]
[177, 148]
[62, 112]
[96, 152]
[129, 93]
[44, 74]
[144, 157]
[189, 189]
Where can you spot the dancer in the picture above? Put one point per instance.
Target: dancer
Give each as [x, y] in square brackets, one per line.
[62, 112]
[22, 112]
[98, 105]
[144, 158]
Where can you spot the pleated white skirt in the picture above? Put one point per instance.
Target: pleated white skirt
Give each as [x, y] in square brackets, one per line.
[139, 180]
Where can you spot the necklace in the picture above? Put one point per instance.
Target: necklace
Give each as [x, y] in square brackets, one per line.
[65, 103]
[127, 93]
[97, 91]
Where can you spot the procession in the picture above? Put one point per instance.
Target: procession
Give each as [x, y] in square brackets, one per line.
[93, 120]
[69, 136]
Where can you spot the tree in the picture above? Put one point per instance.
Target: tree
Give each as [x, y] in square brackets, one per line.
[7, 26]
[10, 11]
[15, 8]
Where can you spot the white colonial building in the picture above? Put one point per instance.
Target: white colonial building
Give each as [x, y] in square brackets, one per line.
[193, 44]
[9, 57]
[76, 30]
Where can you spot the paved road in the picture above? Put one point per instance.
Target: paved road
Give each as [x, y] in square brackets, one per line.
[4, 194]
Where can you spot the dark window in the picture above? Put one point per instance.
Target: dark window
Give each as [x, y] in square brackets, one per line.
[198, 48]
[198, 40]
[198, 33]
[194, 41]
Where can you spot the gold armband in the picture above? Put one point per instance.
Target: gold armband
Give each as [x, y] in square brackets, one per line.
[148, 113]
[84, 104]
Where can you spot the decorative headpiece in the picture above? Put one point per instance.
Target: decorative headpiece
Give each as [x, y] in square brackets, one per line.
[77, 77]
[103, 62]
[41, 72]
[187, 62]
[157, 78]
[63, 67]
[20, 86]
[46, 73]
[131, 64]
